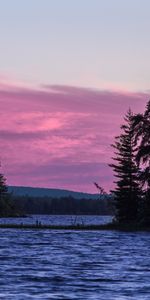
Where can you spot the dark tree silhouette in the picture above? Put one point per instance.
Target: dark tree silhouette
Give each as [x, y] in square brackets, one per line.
[100, 189]
[3, 187]
[4, 197]
[141, 130]
[7, 207]
[127, 193]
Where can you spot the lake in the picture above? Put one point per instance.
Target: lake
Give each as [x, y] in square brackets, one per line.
[45, 264]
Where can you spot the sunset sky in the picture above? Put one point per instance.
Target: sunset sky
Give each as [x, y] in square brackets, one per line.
[69, 71]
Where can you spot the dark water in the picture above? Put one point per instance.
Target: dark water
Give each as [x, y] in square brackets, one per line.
[43, 264]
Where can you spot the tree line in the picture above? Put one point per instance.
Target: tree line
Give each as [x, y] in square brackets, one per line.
[63, 205]
[12, 205]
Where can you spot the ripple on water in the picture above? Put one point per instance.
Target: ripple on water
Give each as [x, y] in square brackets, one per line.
[74, 265]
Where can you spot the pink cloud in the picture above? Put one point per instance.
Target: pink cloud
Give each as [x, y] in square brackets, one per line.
[59, 136]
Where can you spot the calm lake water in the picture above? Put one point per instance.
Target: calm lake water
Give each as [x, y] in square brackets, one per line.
[96, 265]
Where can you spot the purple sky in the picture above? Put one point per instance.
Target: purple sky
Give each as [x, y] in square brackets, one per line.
[60, 136]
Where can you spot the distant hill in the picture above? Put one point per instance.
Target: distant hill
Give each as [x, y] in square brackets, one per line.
[45, 192]
[31, 200]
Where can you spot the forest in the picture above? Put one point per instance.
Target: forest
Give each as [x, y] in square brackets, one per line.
[63, 205]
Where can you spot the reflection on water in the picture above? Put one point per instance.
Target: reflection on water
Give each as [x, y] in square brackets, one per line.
[70, 265]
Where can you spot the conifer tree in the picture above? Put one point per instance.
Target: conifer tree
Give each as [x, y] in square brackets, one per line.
[127, 193]
[6, 205]
[3, 187]
[141, 130]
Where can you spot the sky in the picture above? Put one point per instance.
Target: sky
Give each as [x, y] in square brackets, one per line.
[69, 71]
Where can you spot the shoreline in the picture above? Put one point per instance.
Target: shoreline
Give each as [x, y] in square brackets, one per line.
[79, 227]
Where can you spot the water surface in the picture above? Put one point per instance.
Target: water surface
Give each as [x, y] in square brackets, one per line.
[45, 264]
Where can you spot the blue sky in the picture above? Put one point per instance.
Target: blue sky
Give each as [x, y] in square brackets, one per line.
[89, 43]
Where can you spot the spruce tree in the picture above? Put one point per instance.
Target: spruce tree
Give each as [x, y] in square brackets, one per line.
[127, 192]
[3, 186]
[6, 205]
[141, 130]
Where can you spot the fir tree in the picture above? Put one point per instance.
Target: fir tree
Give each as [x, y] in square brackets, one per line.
[141, 130]
[6, 204]
[3, 187]
[127, 193]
